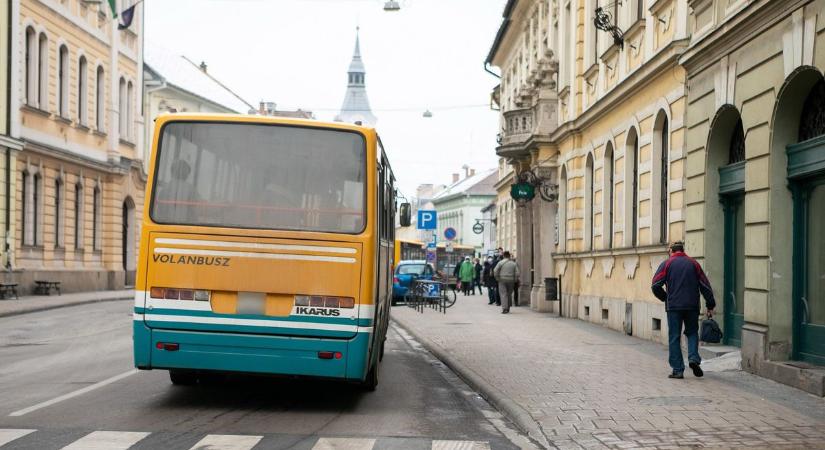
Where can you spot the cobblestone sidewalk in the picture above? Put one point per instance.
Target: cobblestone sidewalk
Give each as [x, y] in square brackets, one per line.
[590, 387]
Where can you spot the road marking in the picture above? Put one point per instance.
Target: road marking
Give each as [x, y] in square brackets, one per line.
[107, 440]
[344, 444]
[9, 435]
[227, 442]
[73, 394]
[460, 445]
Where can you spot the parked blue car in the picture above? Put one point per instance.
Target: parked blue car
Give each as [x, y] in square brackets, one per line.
[405, 273]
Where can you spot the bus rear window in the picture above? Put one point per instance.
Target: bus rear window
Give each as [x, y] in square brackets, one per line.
[260, 176]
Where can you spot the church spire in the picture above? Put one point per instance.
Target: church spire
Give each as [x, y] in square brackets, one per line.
[356, 107]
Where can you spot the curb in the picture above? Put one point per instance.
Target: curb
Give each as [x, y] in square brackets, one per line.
[61, 305]
[518, 415]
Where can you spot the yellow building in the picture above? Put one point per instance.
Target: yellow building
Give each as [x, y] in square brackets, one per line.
[599, 122]
[755, 190]
[506, 230]
[79, 178]
[9, 145]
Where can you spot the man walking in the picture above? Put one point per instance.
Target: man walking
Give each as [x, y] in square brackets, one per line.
[506, 272]
[678, 282]
[489, 280]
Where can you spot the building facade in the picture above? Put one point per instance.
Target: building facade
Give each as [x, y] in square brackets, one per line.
[506, 229]
[460, 204]
[78, 181]
[9, 145]
[755, 197]
[600, 121]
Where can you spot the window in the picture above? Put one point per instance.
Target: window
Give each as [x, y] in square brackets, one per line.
[121, 105]
[639, 11]
[588, 203]
[43, 73]
[562, 212]
[302, 189]
[631, 188]
[663, 194]
[100, 100]
[25, 209]
[36, 209]
[96, 219]
[63, 82]
[130, 111]
[78, 216]
[607, 197]
[31, 78]
[82, 92]
[58, 213]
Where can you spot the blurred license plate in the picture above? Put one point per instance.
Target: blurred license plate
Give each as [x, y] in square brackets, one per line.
[251, 303]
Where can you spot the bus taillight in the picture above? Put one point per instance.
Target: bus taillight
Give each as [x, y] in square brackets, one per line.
[179, 294]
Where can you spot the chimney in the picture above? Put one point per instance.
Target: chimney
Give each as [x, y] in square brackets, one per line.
[466, 170]
[203, 66]
[472, 172]
[262, 107]
[455, 178]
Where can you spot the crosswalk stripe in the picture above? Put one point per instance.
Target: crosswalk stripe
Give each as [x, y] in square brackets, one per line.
[8, 435]
[227, 442]
[344, 444]
[461, 445]
[107, 440]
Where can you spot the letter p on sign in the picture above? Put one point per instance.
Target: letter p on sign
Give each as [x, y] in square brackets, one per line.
[427, 219]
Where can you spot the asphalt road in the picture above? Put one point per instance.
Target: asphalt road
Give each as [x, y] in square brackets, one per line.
[66, 380]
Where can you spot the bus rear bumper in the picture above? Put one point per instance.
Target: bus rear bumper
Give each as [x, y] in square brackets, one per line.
[247, 353]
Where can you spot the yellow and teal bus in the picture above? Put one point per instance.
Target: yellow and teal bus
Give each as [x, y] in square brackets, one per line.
[266, 247]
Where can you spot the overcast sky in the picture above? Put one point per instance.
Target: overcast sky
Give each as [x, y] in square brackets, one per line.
[430, 54]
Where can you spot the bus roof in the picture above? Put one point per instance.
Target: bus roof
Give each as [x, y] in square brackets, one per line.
[254, 118]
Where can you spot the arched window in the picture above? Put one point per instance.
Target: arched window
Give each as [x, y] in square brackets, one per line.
[812, 123]
[607, 197]
[58, 213]
[736, 149]
[96, 219]
[100, 100]
[63, 82]
[121, 107]
[588, 202]
[25, 208]
[32, 59]
[78, 215]
[37, 209]
[562, 212]
[43, 72]
[82, 92]
[130, 111]
[631, 189]
[659, 167]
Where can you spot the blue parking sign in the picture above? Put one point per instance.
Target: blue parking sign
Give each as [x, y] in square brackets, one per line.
[427, 219]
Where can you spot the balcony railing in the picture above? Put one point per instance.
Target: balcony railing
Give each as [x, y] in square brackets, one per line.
[518, 126]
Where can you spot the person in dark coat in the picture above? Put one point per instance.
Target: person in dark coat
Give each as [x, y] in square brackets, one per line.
[477, 276]
[489, 280]
[678, 282]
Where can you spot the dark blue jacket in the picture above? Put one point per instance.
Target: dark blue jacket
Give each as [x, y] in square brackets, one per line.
[684, 279]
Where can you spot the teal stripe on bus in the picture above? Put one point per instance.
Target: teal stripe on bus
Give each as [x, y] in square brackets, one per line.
[294, 319]
[215, 327]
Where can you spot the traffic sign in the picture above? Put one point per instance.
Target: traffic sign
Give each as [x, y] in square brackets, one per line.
[448, 247]
[478, 228]
[431, 245]
[427, 219]
[450, 233]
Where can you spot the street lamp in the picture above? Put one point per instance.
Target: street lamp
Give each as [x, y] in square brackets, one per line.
[391, 5]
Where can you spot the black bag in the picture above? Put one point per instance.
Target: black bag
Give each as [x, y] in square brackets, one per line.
[710, 333]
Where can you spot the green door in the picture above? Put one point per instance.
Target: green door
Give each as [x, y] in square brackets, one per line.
[734, 285]
[809, 295]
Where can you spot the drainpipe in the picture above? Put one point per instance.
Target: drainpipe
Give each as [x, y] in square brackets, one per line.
[6, 245]
[487, 69]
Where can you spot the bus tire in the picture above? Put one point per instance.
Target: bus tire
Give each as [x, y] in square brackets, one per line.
[183, 377]
[371, 382]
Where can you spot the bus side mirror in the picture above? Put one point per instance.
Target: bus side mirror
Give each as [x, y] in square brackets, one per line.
[404, 214]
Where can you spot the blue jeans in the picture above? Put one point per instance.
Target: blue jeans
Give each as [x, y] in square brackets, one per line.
[675, 320]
